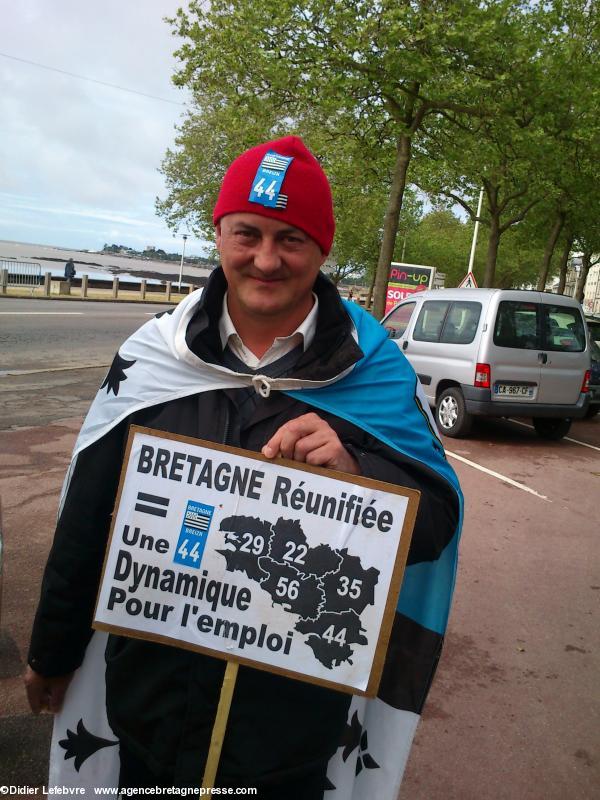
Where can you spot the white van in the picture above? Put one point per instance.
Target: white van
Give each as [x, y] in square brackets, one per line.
[498, 353]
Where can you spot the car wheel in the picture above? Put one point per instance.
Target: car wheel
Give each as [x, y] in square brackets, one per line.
[553, 429]
[451, 414]
[592, 411]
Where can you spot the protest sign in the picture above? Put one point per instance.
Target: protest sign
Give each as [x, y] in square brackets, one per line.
[285, 567]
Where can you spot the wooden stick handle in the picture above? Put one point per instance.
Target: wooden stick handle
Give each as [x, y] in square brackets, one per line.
[218, 731]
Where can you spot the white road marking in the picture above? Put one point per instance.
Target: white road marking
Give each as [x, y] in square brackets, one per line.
[42, 313]
[583, 444]
[498, 475]
[566, 438]
[4, 373]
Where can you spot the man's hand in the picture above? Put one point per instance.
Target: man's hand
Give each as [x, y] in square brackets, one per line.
[45, 693]
[311, 440]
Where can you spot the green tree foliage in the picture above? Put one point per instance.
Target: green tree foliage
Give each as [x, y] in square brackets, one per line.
[518, 258]
[450, 95]
[495, 154]
[205, 145]
[534, 153]
[378, 72]
[571, 71]
[443, 240]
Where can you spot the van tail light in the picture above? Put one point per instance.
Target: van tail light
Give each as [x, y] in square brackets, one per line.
[482, 376]
[585, 386]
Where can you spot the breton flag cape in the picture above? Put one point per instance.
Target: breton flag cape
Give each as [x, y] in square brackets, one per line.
[380, 394]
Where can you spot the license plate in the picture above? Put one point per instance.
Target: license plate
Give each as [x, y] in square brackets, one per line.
[514, 390]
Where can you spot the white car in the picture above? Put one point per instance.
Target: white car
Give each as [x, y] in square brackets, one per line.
[496, 352]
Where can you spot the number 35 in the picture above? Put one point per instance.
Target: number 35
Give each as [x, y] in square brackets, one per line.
[351, 589]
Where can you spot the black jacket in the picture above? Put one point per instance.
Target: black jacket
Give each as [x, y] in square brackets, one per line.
[162, 700]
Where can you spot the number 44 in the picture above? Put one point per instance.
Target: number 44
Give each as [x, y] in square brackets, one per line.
[269, 191]
[331, 636]
[193, 553]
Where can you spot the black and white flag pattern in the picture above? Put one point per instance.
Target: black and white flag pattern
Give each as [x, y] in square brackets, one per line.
[273, 161]
[198, 520]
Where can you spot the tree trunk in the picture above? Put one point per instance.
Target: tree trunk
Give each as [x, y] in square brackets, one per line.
[549, 250]
[564, 263]
[586, 263]
[370, 294]
[390, 224]
[492, 251]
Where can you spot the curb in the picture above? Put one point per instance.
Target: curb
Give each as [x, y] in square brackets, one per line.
[19, 372]
[70, 299]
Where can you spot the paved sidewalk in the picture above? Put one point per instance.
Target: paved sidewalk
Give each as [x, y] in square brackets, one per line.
[32, 467]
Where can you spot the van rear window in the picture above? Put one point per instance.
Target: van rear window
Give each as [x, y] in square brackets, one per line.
[534, 326]
[563, 329]
[594, 329]
[448, 322]
[517, 325]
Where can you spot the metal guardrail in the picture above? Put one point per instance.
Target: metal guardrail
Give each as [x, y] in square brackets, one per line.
[21, 273]
[28, 275]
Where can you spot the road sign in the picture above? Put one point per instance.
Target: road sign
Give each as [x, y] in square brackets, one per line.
[468, 282]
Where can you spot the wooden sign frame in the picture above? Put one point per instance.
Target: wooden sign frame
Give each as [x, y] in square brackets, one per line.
[395, 582]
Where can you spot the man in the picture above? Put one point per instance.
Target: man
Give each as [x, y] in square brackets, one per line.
[69, 270]
[268, 359]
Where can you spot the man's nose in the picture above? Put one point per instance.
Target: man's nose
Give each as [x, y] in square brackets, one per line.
[266, 256]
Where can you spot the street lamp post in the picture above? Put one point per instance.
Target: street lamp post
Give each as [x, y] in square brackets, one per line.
[181, 264]
[476, 229]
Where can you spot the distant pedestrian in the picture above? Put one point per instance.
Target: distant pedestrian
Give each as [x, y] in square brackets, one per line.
[69, 270]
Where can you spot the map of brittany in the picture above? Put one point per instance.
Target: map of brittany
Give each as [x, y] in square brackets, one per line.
[327, 589]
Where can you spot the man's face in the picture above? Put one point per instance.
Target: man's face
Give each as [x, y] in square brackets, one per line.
[270, 268]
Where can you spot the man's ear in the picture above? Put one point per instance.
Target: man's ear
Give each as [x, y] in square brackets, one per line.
[218, 234]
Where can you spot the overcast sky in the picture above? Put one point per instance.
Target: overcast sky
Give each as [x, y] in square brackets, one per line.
[79, 161]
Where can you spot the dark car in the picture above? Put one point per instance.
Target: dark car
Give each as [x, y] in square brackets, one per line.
[593, 324]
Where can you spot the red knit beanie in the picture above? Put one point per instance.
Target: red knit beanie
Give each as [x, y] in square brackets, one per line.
[281, 180]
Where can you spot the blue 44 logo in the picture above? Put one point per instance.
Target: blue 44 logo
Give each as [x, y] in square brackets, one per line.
[267, 182]
[259, 189]
[193, 534]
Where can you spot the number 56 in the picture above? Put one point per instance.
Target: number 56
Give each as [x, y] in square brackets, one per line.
[287, 588]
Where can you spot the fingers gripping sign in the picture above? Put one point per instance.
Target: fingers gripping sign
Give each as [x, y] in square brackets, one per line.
[311, 440]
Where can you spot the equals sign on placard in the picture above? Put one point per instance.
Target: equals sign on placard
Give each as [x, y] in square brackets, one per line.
[152, 504]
